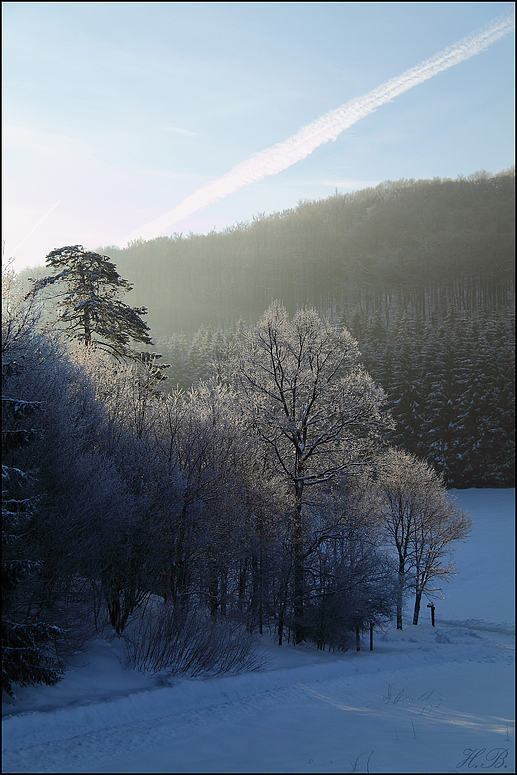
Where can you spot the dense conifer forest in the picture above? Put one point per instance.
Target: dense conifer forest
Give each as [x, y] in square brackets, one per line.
[420, 271]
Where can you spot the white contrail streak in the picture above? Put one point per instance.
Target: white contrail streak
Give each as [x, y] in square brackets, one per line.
[35, 227]
[327, 127]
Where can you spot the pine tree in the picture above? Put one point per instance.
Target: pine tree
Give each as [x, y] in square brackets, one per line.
[88, 286]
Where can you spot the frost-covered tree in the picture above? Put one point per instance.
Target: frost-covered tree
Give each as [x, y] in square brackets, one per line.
[28, 656]
[19, 314]
[419, 520]
[317, 412]
[438, 526]
[199, 504]
[88, 288]
[352, 588]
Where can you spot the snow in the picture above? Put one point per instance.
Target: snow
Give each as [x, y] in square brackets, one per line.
[425, 700]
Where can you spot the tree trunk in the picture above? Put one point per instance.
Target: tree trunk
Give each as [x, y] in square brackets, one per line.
[255, 616]
[418, 600]
[282, 607]
[223, 591]
[281, 623]
[242, 585]
[400, 590]
[179, 582]
[320, 640]
[213, 594]
[298, 628]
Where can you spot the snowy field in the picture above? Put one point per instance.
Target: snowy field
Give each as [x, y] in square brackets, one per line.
[426, 700]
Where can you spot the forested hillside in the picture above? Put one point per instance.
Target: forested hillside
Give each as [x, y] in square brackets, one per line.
[421, 272]
[404, 247]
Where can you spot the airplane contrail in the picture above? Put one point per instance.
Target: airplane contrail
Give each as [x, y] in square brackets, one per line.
[35, 227]
[327, 127]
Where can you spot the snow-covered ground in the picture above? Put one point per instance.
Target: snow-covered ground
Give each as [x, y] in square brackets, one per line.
[426, 700]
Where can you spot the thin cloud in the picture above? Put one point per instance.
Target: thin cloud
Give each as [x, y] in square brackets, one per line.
[328, 127]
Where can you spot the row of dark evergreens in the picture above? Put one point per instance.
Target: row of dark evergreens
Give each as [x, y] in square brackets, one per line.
[421, 272]
[451, 390]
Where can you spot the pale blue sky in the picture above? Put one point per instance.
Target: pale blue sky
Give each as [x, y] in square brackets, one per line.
[113, 113]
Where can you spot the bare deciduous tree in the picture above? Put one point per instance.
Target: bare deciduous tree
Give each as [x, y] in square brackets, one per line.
[439, 525]
[419, 520]
[19, 314]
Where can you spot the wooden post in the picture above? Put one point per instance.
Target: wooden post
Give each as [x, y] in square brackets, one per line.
[431, 606]
[371, 636]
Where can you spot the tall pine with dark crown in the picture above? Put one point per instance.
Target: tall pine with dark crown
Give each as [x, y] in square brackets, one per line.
[88, 286]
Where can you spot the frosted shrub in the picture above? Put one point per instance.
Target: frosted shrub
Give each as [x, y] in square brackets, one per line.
[188, 642]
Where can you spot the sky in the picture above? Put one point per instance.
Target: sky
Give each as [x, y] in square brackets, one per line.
[116, 115]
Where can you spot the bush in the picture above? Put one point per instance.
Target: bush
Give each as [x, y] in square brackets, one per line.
[165, 637]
